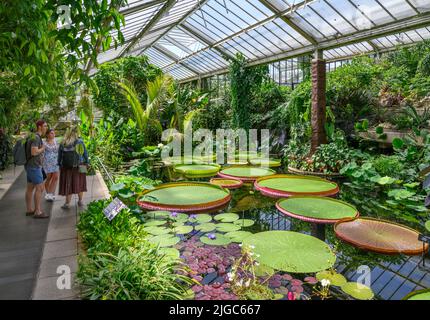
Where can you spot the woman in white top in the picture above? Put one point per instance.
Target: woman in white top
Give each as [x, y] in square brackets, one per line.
[50, 165]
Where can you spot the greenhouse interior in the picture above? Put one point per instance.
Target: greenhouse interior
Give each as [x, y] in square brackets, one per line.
[215, 150]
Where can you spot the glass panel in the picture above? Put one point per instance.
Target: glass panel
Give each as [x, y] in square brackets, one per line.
[157, 58]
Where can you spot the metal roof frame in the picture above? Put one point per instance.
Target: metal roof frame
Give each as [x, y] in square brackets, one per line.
[267, 30]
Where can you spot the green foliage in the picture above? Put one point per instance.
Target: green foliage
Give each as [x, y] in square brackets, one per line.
[243, 81]
[45, 60]
[388, 165]
[140, 273]
[128, 188]
[136, 71]
[120, 263]
[100, 235]
[5, 149]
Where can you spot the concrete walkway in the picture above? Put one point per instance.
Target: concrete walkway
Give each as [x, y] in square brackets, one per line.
[21, 239]
[36, 253]
[62, 248]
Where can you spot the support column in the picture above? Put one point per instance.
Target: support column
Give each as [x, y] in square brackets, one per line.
[318, 101]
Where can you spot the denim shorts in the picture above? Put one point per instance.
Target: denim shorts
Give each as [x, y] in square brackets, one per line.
[34, 175]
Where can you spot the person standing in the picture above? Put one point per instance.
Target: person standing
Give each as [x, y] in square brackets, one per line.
[73, 163]
[34, 169]
[50, 165]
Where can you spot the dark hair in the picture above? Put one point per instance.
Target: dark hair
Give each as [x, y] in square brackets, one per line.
[50, 130]
[40, 123]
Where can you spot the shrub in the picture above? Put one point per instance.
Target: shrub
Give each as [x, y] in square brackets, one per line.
[139, 273]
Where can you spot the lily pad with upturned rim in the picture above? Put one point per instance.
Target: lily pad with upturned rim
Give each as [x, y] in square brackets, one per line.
[380, 236]
[358, 291]
[316, 209]
[227, 227]
[219, 240]
[226, 217]
[418, 295]
[291, 251]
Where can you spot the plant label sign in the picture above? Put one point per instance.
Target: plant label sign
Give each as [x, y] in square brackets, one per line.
[115, 207]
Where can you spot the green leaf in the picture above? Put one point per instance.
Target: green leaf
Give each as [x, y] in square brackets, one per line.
[427, 225]
[386, 180]
[379, 130]
[398, 143]
[117, 187]
[27, 71]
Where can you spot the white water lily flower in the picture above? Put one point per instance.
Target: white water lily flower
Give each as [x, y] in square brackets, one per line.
[325, 282]
[160, 145]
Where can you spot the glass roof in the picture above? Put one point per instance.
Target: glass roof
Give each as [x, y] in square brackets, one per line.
[194, 38]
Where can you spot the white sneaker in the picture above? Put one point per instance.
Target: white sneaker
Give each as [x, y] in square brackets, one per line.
[52, 197]
[48, 197]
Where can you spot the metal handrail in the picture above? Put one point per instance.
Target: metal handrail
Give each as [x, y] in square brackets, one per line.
[105, 170]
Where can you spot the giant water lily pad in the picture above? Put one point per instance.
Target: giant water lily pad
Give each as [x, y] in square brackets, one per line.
[227, 227]
[226, 217]
[380, 236]
[227, 183]
[291, 251]
[244, 223]
[165, 240]
[284, 185]
[200, 218]
[183, 229]
[316, 209]
[418, 295]
[205, 227]
[336, 279]
[196, 197]
[264, 162]
[358, 291]
[238, 236]
[156, 230]
[217, 240]
[197, 170]
[245, 173]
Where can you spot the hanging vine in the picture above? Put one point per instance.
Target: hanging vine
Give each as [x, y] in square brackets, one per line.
[243, 81]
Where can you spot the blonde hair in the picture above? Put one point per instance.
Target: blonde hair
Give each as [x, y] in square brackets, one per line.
[71, 135]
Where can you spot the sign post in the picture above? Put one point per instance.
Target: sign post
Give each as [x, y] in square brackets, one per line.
[115, 207]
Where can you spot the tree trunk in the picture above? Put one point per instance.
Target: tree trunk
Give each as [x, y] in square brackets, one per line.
[318, 104]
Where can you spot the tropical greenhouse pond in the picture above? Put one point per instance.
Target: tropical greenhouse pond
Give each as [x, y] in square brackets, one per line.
[251, 249]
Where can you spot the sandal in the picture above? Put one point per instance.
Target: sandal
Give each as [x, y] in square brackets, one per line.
[28, 214]
[40, 216]
[65, 206]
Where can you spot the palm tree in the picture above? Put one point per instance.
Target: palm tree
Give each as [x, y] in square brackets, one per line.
[160, 96]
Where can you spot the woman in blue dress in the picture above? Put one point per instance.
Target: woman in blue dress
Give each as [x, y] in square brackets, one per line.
[50, 165]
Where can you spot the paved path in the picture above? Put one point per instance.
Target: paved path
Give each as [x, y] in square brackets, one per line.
[31, 250]
[21, 240]
[62, 246]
